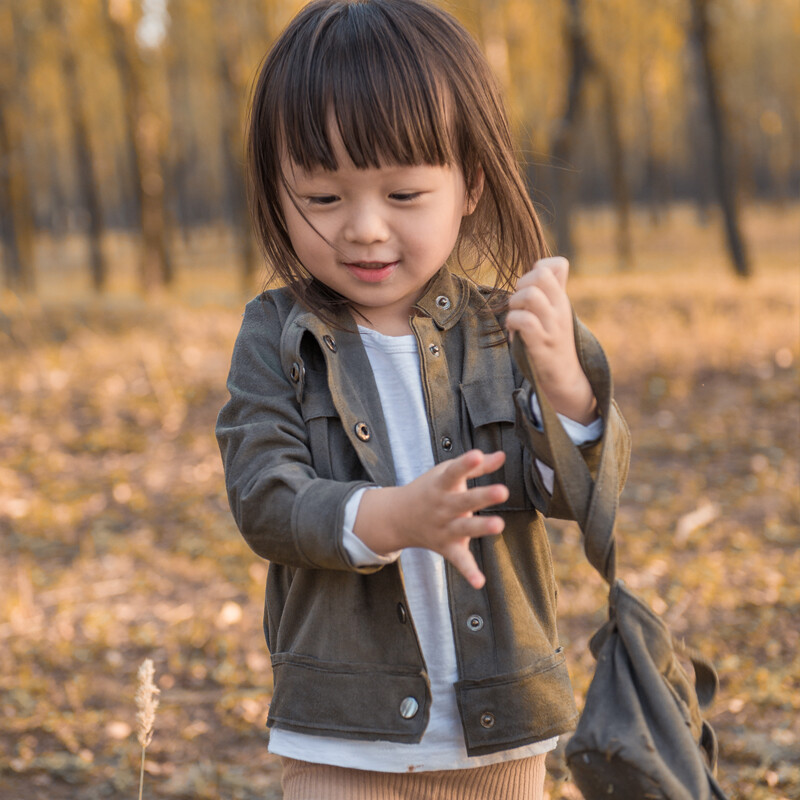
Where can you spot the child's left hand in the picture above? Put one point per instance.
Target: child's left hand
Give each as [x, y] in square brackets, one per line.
[540, 312]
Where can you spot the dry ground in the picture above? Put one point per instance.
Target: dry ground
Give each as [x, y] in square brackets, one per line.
[117, 542]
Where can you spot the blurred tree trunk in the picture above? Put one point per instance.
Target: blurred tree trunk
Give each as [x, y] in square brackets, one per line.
[82, 148]
[619, 182]
[144, 134]
[657, 199]
[232, 88]
[183, 146]
[582, 65]
[16, 205]
[722, 163]
[563, 144]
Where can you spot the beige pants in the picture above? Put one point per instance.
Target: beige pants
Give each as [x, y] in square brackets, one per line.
[522, 779]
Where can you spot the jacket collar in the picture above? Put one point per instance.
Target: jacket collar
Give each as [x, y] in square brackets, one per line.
[445, 299]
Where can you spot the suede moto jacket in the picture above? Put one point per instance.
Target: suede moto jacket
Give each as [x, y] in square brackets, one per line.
[303, 430]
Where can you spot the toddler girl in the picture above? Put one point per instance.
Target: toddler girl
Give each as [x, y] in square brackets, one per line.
[381, 447]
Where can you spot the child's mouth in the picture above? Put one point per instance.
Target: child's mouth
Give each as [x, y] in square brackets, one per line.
[371, 271]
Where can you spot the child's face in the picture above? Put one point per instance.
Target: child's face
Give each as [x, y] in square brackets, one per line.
[380, 235]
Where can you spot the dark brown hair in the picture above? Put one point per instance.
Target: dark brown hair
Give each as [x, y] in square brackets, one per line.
[407, 85]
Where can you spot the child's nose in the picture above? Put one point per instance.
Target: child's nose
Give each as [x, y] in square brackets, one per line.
[365, 226]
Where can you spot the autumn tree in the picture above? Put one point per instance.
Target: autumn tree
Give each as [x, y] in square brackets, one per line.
[233, 80]
[583, 65]
[145, 144]
[16, 208]
[722, 163]
[88, 183]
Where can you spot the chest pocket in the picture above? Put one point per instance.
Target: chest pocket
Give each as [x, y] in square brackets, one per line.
[491, 415]
[332, 455]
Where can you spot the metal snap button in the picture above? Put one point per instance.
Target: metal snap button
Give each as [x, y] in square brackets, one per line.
[434, 348]
[475, 623]
[330, 342]
[447, 443]
[296, 372]
[487, 719]
[362, 431]
[443, 302]
[408, 708]
[401, 613]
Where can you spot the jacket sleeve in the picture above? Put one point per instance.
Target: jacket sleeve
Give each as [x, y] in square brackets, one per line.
[536, 442]
[285, 512]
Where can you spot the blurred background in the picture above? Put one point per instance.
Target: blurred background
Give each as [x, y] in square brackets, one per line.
[661, 143]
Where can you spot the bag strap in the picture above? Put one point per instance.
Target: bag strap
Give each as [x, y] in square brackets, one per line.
[593, 502]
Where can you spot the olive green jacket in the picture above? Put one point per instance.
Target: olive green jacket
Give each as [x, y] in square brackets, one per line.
[303, 430]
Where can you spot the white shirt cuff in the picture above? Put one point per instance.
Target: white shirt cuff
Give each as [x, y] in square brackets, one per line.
[360, 555]
[580, 434]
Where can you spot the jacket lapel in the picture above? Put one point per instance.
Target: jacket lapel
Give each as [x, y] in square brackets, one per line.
[354, 394]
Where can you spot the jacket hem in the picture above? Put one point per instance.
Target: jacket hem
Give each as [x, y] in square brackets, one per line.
[341, 732]
[569, 724]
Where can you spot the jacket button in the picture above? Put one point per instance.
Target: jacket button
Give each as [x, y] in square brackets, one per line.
[475, 623]
[330, 343]
[296, 372]
[487, 719]
[408, 708]
[434, 348]
[447, 443]
[401, 613]
[362, 431]
[443, 302]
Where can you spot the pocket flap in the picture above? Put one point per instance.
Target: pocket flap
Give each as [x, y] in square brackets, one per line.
[317, 404]
[485, 404]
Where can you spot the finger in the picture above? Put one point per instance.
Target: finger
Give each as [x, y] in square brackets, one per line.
[476, 527]
[530, 327]
[478, 498]
[537, 298]
[456, 470]
[488, 464]
[459, 555]
[548, 282]
[472, 464]
[558, 266]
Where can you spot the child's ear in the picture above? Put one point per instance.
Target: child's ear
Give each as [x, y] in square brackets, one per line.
[474, 192]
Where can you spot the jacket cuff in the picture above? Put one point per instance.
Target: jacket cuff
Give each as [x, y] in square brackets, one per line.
[577, 432]
[318, 533]
[536, 441]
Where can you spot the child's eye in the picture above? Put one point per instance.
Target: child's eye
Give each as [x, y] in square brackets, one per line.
[323, 199]
[404, 196]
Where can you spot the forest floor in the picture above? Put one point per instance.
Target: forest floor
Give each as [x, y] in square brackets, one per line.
[118, 544]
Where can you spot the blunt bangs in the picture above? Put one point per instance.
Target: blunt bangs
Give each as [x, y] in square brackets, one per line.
[371, 68]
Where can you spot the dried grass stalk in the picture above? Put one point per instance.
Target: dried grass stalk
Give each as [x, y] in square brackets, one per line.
[146, 704]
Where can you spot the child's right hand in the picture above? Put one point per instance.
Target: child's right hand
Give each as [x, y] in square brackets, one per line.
[435, 511]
